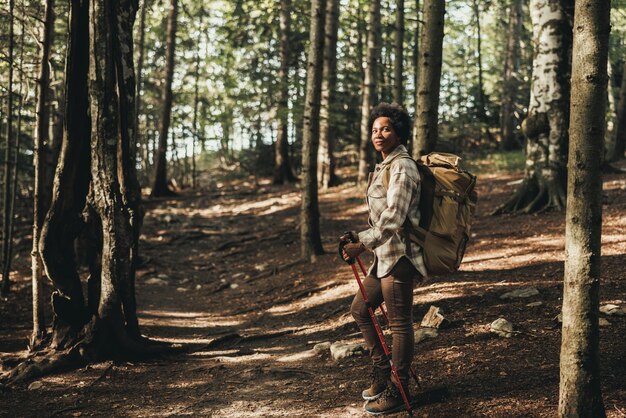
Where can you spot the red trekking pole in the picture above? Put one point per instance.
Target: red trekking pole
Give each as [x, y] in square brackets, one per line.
[384, 312]
[370, 310]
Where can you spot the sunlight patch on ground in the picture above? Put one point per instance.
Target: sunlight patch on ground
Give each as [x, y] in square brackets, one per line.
[271, 408]
[186, 319]
[328, 325]
[338, 292]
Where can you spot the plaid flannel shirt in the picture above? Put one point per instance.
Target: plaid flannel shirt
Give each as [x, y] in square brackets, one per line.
[389, 209]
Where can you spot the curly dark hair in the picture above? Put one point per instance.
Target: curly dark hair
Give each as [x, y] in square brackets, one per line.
[398, 116]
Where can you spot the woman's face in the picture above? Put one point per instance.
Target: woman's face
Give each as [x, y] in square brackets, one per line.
[384, 137]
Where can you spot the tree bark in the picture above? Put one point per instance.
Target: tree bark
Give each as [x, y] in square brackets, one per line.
[282, 166]
[508, 120]
[325, 157]
[196, 101]
[159, 184]
[6, 220]
[617, 153]
[482, 105]
[140, 139]
[398, 84]
[369, 90]
[416, 53]
[579, 392]
[310, 239]
[41, 136]
[546, 126]
[427, 113]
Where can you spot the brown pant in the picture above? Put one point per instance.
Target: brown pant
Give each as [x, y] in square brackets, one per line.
[397, 292]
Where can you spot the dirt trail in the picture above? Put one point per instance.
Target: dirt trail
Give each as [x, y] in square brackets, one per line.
[218, 274]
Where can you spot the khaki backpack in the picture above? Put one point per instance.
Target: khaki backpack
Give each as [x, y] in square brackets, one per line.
[447, 203]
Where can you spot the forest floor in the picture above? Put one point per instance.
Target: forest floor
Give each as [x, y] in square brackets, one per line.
[219, 276]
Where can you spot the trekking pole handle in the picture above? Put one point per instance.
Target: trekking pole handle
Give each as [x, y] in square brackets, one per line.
[351, 238]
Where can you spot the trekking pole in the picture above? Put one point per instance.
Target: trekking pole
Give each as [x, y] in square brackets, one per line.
[384, 312]
[370, 310]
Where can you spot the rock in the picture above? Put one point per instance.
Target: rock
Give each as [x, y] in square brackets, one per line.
[501, 327]
[35, 386]
[434, 318]
[321, 347]
[339, 350]
[154, 280]
[521, 293]
[603, 322]
[534, 304]
[425, 333]
[181, 289]
[613, 310]
[234, 285]
[198, 286]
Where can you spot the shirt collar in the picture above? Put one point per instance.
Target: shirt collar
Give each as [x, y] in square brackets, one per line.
[397, 150]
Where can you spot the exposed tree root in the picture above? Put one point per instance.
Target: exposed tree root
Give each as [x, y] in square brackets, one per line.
[535, 197]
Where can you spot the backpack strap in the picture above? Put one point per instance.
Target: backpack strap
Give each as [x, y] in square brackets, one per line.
[387, 170]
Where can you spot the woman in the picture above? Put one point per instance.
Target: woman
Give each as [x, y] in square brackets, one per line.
[398, 261]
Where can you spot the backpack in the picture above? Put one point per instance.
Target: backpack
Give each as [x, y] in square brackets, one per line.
[447, 203]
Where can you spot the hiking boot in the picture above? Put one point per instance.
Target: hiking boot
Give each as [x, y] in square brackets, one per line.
[379, 384]
[390, 401]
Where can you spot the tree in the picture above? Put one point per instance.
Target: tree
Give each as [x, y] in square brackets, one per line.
[546, 126]
[325, 158]
[159, 184]
[617, 153]
[41, 136]
[6, 219]
[416, 53]
[369, 90]
[94, 191]
[427, 113]
[511, 82]
[579, 392]
[310, 239]
[282, 167]
[398, 85]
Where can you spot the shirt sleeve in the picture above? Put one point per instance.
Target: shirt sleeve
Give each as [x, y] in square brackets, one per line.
[401, 189]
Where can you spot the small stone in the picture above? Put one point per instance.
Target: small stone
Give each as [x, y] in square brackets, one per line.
[521, 293]
[603, 322]
[321, 347]
[167, 219]
[434, 318]
[181, 289]
[198, 286]
[234, 285]
[613, 310]
[154, 280]
[162, 276]
[425, 333]
[501, 327]
[35, 385]
[534, 304]
[339, 350]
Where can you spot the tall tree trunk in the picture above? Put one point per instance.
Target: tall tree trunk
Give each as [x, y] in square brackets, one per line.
[325, 157]
[196, 101]
[282, 166]
[428, 85]
[159, 184]
[41, 136]
[579, 392]
[310, 239]
[369, 90]
[508, 120]
[482, 105]
[416, 53]
[138, 138]
[6, 220]
[617, 153]
[398, 84]
[546, 126]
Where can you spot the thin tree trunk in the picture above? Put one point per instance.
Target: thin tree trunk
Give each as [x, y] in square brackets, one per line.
[579, 392]
[282, 166]
[482, 106]
[326, 158]
[398, 84]
[6, 282]
[142, 36]
[369, 90]
[310, 239]
[159, 184]
[428, 85]
[620, 124]
[196, 100]
[416, 53]
[546, 126]
[511, 82]
[41, 136]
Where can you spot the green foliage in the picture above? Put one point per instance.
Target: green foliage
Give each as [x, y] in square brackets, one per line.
[494, 162]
